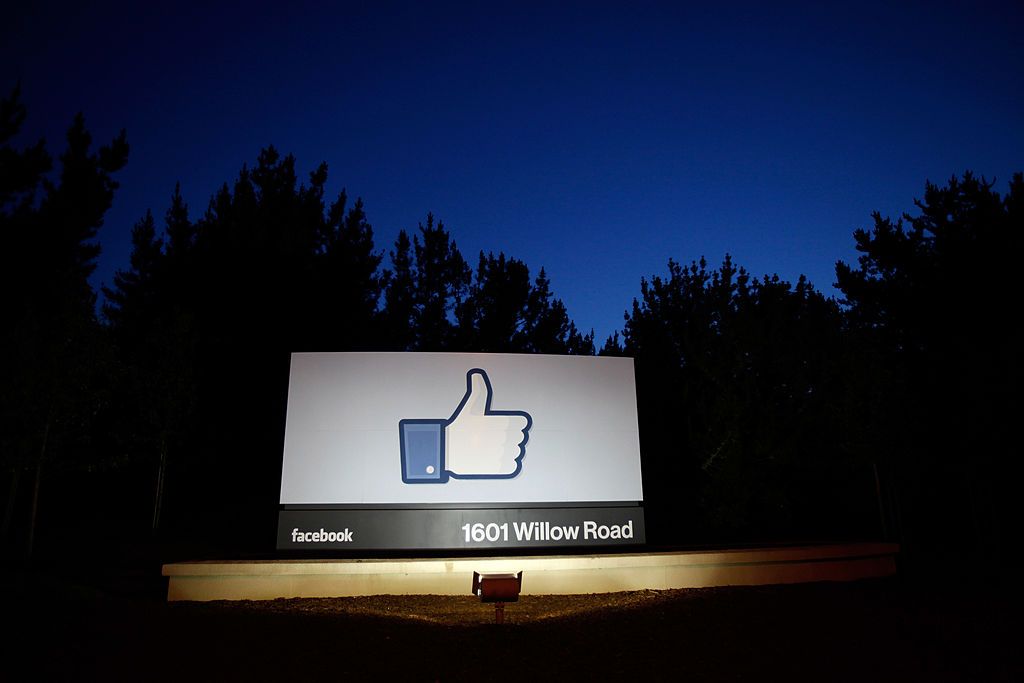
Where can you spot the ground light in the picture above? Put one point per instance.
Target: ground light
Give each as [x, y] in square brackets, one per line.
[499, 589]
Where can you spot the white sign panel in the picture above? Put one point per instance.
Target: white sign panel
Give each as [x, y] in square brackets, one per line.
[420, 428]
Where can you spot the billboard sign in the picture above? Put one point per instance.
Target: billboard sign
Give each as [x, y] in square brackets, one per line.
[371, 438]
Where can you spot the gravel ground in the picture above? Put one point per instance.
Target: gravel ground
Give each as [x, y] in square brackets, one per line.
[870, 630]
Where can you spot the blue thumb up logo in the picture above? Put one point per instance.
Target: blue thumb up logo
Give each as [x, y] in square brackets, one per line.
[476, 442]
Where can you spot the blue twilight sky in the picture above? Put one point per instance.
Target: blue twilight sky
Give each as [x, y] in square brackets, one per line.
[594, 139]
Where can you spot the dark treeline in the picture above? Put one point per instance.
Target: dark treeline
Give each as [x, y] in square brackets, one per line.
[740, 392]
[209, 311]
[769, 412]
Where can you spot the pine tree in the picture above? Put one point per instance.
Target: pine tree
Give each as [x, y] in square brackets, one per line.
[932, 307]
[737, 390]
[399, 297]
[53, 353]
[267, 270]
[440, 284]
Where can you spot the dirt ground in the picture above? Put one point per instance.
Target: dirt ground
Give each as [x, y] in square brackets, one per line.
[865, 631]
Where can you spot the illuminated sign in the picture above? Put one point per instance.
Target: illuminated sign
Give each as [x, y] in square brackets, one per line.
[447, 450]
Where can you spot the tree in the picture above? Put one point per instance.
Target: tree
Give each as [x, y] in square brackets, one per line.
[207, 316]
[348, 266]
[492, 319]
[155, 335]
[736, 388]
[21, 176]
[399, 297]
[547, 327]
[53, 352]
[932, 306]
[434, 302]
[440, 283]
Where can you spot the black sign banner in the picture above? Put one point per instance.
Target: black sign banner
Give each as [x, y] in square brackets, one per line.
[397, 529]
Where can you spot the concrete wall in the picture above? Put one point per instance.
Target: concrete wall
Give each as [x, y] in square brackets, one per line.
[270, 579]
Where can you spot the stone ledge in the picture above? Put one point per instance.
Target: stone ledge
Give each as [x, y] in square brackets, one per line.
[564, 574]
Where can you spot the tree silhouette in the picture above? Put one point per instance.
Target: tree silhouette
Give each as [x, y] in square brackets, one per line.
[155, 334]
[206, 317]
[400, 297]
[352, 284]
[440, 283]
[53, 353]
[547, 326]
[433, 301]
[493, 316]
[931, 305]
[737, 389]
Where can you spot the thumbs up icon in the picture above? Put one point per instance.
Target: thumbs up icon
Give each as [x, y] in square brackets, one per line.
[476, 442]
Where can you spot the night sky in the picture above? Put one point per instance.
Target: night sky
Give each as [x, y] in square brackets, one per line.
[594, 140]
